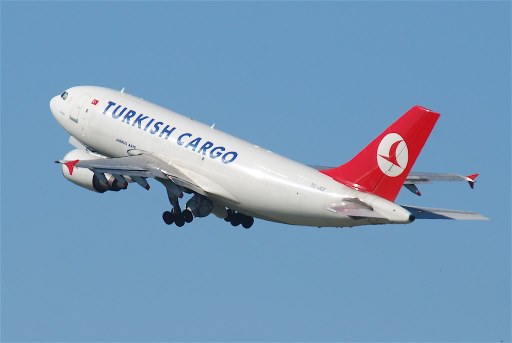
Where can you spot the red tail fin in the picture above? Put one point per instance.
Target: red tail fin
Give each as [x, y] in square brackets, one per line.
[381, 167]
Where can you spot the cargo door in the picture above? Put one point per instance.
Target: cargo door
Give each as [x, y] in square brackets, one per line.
[77, 107]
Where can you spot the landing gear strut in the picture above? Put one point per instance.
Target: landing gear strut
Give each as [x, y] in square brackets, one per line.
[175, 216]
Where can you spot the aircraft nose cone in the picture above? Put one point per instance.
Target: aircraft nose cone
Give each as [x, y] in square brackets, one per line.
[53, 105]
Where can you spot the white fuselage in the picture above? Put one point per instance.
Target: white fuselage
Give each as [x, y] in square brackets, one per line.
[247, 178]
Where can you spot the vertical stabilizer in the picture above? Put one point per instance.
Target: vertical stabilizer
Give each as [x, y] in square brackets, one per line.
[382, 167]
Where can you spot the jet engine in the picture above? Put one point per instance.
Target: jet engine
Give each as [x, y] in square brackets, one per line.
[86, 178]
[199, 205]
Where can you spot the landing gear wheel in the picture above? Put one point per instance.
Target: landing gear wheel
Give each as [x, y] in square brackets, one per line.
[187, 216]
[168, 217]
[236, 219]
[179, 221]
[247, 222]
[229, 216]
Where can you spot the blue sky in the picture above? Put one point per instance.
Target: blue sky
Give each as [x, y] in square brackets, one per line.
[314, 81]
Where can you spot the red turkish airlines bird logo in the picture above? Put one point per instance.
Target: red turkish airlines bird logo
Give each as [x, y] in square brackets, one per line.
[392, 155]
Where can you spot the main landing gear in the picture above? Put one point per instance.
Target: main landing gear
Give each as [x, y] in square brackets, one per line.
[181, 217]
[237, 218]
[198, 206]
[178, 218]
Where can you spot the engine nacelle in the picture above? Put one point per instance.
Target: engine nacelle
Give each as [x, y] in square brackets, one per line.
[200, 206]
[86, 178]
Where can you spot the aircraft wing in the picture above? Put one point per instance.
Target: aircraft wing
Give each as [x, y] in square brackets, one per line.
[130, 166]
[441, 213]
[145, 165]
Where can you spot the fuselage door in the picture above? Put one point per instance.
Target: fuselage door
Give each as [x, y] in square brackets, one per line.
[86, 112]
[77, 107]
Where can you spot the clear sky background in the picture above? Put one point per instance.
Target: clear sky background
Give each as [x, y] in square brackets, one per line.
[314, 81]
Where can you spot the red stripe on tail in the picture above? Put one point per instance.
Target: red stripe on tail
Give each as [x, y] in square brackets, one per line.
[381, 167]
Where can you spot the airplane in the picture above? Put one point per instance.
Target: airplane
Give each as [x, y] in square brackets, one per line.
[121, 139]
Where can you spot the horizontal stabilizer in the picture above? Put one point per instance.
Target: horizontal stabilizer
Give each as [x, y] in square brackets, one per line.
[441, 213]
[420, 178]
[416, 178]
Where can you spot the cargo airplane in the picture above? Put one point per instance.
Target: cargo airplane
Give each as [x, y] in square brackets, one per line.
[122, 139]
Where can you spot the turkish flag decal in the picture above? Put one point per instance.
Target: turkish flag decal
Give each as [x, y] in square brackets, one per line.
[94, 102]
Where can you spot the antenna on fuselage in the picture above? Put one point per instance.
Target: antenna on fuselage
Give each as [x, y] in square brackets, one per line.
[213, 126]
[122, 90]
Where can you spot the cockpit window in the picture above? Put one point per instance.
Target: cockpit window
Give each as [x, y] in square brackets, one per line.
[64, 95]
